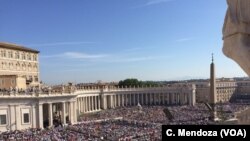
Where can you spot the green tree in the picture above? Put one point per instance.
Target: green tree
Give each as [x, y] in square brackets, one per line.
[131, 82]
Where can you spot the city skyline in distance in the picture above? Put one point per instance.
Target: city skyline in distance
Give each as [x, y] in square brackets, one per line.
[112, 40]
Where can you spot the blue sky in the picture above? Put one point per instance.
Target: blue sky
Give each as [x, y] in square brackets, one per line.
[110, 40]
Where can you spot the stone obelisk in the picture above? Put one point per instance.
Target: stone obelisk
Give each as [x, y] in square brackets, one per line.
[213, 92]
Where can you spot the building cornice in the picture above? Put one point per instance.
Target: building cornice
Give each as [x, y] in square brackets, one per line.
[17, 47]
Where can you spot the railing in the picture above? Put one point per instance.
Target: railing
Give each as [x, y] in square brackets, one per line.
[71, 90]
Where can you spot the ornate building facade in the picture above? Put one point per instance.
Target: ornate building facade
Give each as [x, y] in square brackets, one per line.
[18, 64]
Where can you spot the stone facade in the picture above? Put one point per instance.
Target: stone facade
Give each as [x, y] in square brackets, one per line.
[19, 61]
[12, 81]
[225, 89]
[36, 108]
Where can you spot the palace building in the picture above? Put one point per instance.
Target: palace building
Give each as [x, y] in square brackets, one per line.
[18, 64]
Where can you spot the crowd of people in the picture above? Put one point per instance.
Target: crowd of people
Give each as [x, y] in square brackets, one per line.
[125, 124]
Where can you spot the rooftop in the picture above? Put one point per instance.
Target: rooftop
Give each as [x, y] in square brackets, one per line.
[16, 47]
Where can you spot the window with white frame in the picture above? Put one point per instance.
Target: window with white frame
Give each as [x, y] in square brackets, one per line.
[25, 116]
[17, 55]
[29, 57]
[34, 58]
[3, 117]
[10, 54]
[4, 53]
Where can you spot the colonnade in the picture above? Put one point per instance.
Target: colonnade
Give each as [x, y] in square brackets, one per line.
[89, 103]
[65, 111]
[95, 102]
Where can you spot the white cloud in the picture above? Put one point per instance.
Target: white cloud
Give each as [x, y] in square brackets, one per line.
[134, 59]
[183, 39]
[153, 2]
[76, 55]
[60, 43]
[126, 60]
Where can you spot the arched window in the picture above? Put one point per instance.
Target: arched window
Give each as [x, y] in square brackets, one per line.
[29, 57]
[17, 55]
[10, 54]
[29, 67]
[4, 53]
[23, 67]
[18, 66]
[34, 58]
[35, 67]
[23, 56]
[10, 65]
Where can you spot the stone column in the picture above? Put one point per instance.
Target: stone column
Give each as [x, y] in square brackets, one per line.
[123, 100]
[82, 106]
[92, 103]
[85, 105]
[88, 103]
[137, 99]
[142, 99]
[119, 100]
[116, 101]
[146, 98]
[12, 117]
[96, 103]
[40, 116]
[130, 99]
[34, 115]
[178, 100]
[156, 98]
[134, 99]
[18, 119]
[154, 101]
[113, 101]
[181, 98]
[50, 111]
[110, 99]
[166, 98]
[150, 98]
[76, 114]
[126, 100]
[71, 112]
[99, 102]
[63, 118]
[78, 104]
[171, 97]
[163, 97]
